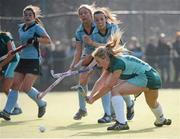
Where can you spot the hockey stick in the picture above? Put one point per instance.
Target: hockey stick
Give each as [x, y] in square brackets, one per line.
[57, 75]
[60, 78]
[13, 52]
[90, 67]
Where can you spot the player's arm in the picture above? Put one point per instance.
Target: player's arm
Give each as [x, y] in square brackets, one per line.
[77, 54]
[44, 39]
[40, 36]
[110, 83]
[100, 82]
[89, 41]
[10, 56]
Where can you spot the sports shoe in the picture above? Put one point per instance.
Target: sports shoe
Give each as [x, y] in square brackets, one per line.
[5, 115]
[16, 111]
[80, 114]
[80, 90]
[42, 110]
[165, 122]
[105, 119]
[130, 112]
[118, 126]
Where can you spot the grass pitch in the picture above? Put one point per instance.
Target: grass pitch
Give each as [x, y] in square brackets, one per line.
[59, 122]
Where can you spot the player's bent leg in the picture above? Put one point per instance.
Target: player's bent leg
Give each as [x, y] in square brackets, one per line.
[10, 104]
[33, 93]
[151, 99]
[82, 90]
[7, 83]
[82, 112]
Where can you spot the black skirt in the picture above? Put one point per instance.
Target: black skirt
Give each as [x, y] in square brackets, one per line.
[29, 66]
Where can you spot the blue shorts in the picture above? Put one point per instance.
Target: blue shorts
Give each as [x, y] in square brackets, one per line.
[149, 79]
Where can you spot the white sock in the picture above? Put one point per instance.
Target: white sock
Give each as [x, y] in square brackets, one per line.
[158, 113]
[118, 105]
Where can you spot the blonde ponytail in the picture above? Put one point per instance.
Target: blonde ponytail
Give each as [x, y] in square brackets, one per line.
[114, 46]
[38, 21]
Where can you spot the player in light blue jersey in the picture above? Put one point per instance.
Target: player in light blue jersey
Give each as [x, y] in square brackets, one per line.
[28, 70]
[124, 75]
[106, 26]
[8, 65]
[83, 51]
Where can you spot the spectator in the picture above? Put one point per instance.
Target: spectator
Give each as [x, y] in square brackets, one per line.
[163, 50]
[176, 56]
[135, 47]
[151, 52]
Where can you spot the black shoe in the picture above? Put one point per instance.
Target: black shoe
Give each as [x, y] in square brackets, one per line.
[118, 126]
[42, 110]
[5, 115]
[16, 111]
[165, 122]
[105, 119]
[80, 114]
[130, 112]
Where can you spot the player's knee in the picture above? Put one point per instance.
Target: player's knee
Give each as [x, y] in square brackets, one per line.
[151, 98]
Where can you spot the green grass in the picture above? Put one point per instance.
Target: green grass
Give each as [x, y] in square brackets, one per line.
[60, 124]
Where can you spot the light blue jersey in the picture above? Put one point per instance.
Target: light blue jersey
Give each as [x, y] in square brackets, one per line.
[103, 38]
[34, 30]
[80, 32]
